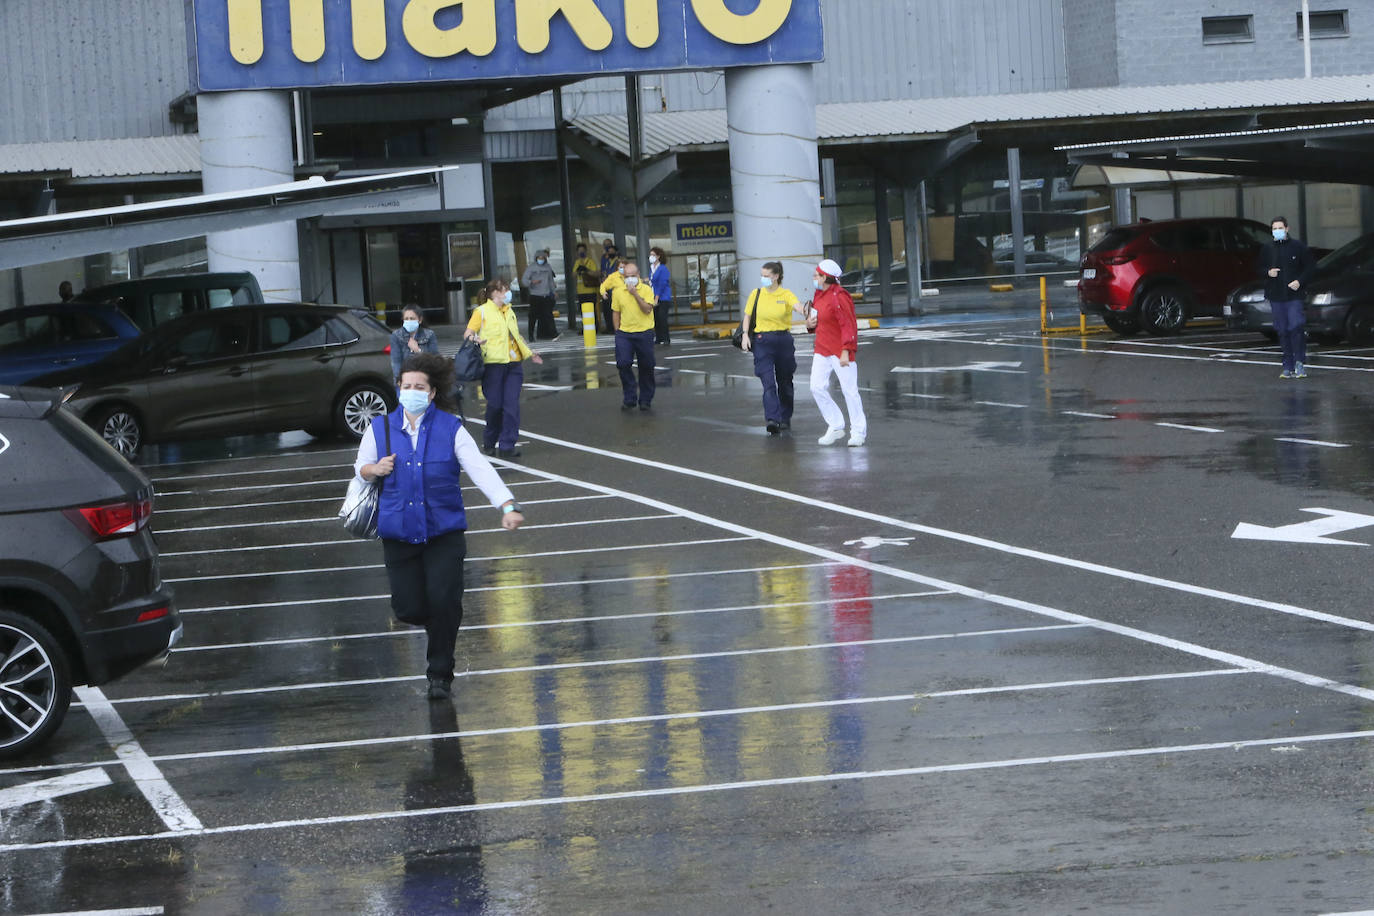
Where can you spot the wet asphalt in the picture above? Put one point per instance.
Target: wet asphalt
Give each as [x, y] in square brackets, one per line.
[1006, 657]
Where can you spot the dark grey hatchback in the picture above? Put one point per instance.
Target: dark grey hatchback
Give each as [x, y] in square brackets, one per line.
[237, 371]
[81, 599]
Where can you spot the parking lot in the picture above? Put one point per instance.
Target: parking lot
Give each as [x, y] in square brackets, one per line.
[1011, 656]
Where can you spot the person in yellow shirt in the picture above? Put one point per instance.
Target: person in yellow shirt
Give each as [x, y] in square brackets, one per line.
[494, 324]
[588, 277]
[769, 313]
[632, 312]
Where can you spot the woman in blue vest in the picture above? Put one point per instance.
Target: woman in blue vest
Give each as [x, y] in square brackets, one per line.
[421, 519]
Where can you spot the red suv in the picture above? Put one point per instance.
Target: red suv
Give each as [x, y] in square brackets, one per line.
[1154, 276]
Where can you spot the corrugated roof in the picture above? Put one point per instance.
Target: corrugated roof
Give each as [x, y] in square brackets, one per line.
[177, 155]
[664, 131]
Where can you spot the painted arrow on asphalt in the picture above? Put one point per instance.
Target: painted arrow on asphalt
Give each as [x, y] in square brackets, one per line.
[971, 367]
[1309, 532]
[48, 789]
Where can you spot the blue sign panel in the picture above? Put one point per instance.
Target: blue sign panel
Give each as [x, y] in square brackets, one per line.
[293, 44]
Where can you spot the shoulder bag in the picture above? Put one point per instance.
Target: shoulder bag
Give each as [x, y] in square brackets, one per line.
[468, 364]
[737, 335]
[360, 506]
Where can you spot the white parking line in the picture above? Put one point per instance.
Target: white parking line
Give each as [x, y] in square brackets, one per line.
[268, 574]
[671, 791]
[1312, 442]
[167, 804]
[928, 397]
[334, 519]
[1194, 429]
[256, 472]
[336, 483]
[557, 621]
[336, 499]
[602, 663]
[352, 449]
[1000, 404]
[501, 588]
[135, 911]
[1094, 416]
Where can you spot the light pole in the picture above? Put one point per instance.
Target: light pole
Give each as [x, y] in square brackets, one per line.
[1306, 41]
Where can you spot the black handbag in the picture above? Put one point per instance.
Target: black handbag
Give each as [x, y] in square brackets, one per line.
[737, 335]
[361, 504]
[468, 365]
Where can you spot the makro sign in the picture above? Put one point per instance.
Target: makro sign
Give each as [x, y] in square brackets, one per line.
[702, 233]
[282, 44]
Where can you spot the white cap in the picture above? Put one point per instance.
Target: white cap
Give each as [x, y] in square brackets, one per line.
[829, 268]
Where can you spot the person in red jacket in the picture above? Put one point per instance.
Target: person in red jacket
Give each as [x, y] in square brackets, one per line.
[832, 320]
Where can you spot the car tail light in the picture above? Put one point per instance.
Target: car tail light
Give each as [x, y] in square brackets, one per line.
[154, 614]
[1122, 258]
[387, 349]
[114, 520]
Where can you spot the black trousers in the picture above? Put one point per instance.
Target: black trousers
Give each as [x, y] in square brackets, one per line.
[541, 323]
[661, 322]
[427, 590]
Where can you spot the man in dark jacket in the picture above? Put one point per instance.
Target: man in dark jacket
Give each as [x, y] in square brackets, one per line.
[1287, 264]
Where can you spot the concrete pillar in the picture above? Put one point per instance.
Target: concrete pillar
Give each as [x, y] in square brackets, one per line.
[245, 142]
[774, 172]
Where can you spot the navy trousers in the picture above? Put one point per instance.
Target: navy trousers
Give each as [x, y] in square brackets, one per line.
[629, 349]
[775, 363]
[501, 387]
[1290, 324]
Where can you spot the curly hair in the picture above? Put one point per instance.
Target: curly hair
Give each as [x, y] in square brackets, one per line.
[439, 371]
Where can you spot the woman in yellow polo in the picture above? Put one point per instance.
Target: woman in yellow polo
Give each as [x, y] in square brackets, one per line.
[775, 356]
[493, 323]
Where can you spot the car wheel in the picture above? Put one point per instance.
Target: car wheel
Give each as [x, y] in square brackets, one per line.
[121, 428]
[1359, 327]
[1164, 310]
[1121, 324]
[355, 410]
[35, 684]
[1270, 335]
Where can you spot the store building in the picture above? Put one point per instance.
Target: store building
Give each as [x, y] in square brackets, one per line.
[927, 113]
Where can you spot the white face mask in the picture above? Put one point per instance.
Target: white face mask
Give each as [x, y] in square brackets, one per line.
[653, 259]
[765, 281]
[632, 281]
[542, 260]
[621, 268]
[820, 284]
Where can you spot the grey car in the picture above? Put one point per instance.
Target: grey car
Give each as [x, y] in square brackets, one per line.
[237, 371]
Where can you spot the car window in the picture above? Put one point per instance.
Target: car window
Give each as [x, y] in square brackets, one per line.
[225, 296]
[1114, 239]
[1247, 237]
[75, 327]
[212, 340]
[340, 331]
[170, 305]
[293, 331]
[1356, 255]
[31, 331]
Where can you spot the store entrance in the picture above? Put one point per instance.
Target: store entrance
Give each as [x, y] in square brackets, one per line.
[406, 265]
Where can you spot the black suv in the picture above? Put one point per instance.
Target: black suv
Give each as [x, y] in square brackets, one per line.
[81, 599]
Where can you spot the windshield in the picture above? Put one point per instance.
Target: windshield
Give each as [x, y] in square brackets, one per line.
[1356, 255]
[1114, 239]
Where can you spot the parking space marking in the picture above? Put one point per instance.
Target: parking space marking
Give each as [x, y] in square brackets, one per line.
[325, 499]
[1000, 404]
[331, 482]
[1194, 429]
[1088, 346]
[501, 588]
[1094, 416]
[672, 791]
[927, 397]
[167, 804]
[948, 534]
[334, 519]
[352, 743]
[257, 472]
[486, 558]
[416, 633]
[48, 789]
[600, 663]
[134, 911]
[353, 449]
[1316, 442]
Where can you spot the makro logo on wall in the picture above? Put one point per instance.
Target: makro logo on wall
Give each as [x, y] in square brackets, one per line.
[247, 44]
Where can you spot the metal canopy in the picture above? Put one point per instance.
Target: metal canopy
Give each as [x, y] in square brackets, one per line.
[41, 239]
[1340, 152]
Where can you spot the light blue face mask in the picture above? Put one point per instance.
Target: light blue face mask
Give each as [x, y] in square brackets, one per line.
[411, 325]
[765, 282]
[1280, 234]
[414, 401]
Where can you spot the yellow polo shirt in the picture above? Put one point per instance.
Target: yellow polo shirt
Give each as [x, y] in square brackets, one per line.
[592, 268]
[774, 307]
[632, 317]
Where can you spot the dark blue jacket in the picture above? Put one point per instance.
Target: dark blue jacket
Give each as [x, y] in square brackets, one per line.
[400, 346]
[1294, 261]
[422, 498]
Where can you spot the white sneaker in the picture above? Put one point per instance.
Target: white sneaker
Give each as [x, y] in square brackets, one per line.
[856, 440]
[831, 437]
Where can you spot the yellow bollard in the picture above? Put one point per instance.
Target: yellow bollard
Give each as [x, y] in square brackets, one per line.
[1044, 306]
[589, 324]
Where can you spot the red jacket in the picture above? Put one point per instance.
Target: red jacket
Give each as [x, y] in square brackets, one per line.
[836, 327]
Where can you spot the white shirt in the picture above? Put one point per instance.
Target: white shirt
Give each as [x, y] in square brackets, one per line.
[478, 468]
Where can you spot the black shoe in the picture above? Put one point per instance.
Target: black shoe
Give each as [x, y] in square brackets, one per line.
[643, 406]
[627, 407]
[489, 450]
[773, 427]
[508, 453]
[439, 689]
[784, 425]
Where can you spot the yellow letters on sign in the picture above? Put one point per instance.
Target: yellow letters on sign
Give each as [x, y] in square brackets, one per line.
[532, 19]
[746, 29]
[476, 34]
[641, 22]
[369, 28]
[307, 30]
[245, 30]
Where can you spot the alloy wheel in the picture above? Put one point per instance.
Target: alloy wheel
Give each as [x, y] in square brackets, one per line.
[121, 430]
[29, 689]
[360, 407]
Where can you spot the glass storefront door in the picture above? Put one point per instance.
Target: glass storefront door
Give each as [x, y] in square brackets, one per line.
[406, 266]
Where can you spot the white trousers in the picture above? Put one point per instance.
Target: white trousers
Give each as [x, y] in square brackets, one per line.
[822, 367]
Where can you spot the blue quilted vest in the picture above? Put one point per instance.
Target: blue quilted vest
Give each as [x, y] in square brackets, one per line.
[422, 498]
